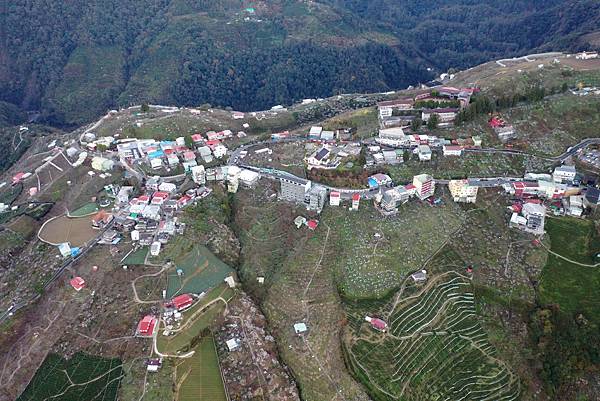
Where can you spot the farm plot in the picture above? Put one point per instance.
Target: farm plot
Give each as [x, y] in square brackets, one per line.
[376, 253]
[200, 271]
[199, 377]
[435, 348]
[76, 231]
[84, 210]
[83, 377]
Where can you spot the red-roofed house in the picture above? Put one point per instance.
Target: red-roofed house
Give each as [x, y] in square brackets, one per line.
[101, 219]
[189, 156]
[144, 199]
[146, 326]
[184, 200]
[159, 197]
[355, 201]
[182, 302]
[17, 178]
[77, 283]
[312, 224]
[452, 150]
[212, 144]
[197, 138]
[379, 324]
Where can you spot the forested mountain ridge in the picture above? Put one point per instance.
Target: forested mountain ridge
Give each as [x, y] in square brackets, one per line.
[73, 60]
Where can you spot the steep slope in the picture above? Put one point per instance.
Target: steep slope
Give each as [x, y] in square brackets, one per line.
[74, 60]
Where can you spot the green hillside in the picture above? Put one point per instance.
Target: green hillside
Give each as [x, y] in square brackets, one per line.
[75, 60]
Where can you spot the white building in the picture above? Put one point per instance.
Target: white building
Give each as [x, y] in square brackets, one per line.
[564, 174]
[334, 198]
[424, 152]
[198, 175]
[445, 116]
[167, 187]
[586, 55]
[393, 137]
[155, 248]
[220, 151]
[249, 178]
[424, 186]
[461, 191]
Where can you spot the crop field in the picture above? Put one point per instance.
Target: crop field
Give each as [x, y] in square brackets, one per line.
[199, 377]
[469, 165]
[573, 287]
[364, 121]
[76, 231]
[375, 253]
[286, 157]
[202, 270]
[551, 126]
[196, 319]
[83, 377]
[435, 348]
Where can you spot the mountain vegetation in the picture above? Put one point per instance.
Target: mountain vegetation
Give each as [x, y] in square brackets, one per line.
[73, 61]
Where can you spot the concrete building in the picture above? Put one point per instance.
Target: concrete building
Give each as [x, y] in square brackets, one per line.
[424, 186]
[248, 178]
[393, 137]
[424, 152]
[315, 198]
[293, 189]
[198, 175]
[355, 201]
[334, 198]
[392, 198]
[461, 191]
[564, 174]
[386, 108]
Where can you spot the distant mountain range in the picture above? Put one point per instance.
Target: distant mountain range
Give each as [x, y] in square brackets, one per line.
[74, 60]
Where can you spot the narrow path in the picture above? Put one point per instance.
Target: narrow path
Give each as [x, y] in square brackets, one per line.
[567, 259]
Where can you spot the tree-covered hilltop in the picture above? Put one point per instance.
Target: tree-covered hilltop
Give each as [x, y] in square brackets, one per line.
[74, 60]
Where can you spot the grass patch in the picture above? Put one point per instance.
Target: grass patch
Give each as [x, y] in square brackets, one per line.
[53, 379]
[84, 210]
[202, 270]
[199, 377]
[137, 257]
[574, 288]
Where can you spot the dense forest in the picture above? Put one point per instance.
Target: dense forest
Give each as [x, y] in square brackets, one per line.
[74, 60]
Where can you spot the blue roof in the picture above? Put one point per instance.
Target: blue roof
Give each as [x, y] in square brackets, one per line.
[155, 154]
[373, 183]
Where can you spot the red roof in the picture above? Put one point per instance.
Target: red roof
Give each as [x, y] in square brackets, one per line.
[78, 283]
[160, 194]
[395, 102]
[197, 138]
[189, 155]
[378, 324]
[356, 197]
[312, 224]
[17, 177]
[213, 143]
[143, 199]
[452, 147]
[517, 207]
[146, 325]
[184, 199]
[334, 194]
[182, 301]
[536, 201]
[409, 187]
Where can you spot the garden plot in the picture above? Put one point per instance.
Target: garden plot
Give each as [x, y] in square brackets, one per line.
[435, 348]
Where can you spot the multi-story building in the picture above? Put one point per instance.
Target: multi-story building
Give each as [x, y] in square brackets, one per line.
[424, 186]
[387, 108]
[293, 189]
[315, 198]
[564, 174]
[461, 191]
[424, 152]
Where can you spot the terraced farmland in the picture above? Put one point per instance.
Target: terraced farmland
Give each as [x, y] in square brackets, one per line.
[435, 348]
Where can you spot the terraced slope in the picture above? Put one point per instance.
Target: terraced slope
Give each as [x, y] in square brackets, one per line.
[435, 348]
